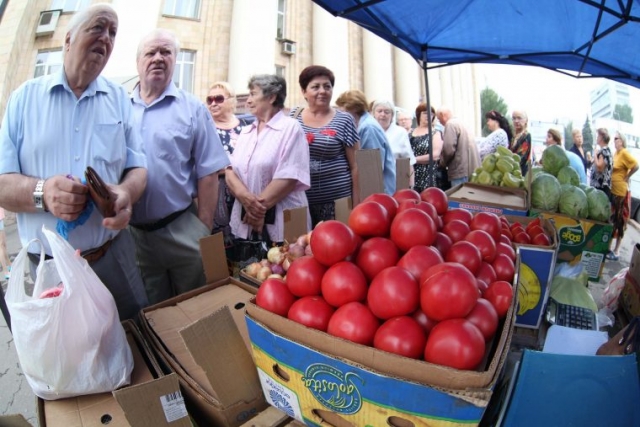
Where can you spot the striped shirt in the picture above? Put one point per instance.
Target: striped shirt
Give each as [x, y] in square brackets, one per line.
[329, 168]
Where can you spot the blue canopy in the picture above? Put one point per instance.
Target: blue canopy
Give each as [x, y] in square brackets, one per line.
[581, 38]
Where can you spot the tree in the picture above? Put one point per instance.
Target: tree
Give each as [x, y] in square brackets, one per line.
[587, 136]
[490, 100]
[568, 135]
[624, 113]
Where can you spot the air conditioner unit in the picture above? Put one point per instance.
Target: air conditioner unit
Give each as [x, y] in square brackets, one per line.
[288, 47]
[47, 22]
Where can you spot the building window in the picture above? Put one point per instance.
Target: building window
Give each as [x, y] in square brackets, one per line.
[281, 10]
[183, 72]
[280, 71]
[182, 8]
[48, 62]
[69, 5]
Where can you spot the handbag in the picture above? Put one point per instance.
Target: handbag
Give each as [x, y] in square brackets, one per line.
[70, 343]
[101, 195]
[626, 341]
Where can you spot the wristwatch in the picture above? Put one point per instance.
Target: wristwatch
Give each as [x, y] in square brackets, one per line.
[38, 196]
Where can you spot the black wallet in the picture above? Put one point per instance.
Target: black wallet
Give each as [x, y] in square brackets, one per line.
[269, 216]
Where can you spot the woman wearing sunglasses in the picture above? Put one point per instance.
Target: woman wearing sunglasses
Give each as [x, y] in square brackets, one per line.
[221, 103]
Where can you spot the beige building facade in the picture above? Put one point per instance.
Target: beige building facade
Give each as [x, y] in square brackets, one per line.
[231, 40]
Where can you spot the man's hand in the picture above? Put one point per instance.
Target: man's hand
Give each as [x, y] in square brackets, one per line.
[122, 207]
[65, 197]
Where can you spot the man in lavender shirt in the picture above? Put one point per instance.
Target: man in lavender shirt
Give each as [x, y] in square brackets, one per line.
[184, 156]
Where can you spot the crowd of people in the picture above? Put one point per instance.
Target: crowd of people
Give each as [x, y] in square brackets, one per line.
[181, 168]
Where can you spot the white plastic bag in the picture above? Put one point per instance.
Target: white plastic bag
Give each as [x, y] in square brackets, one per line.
[72, 344]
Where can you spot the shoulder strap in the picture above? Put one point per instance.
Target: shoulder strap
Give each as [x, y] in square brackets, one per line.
[297, 112]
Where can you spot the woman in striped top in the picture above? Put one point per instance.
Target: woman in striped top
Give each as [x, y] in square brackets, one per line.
[333, 139]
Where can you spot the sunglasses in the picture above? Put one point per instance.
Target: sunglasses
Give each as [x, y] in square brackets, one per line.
[218, 99]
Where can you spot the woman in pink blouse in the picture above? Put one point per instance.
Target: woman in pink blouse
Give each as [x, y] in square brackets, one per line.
[269, 169]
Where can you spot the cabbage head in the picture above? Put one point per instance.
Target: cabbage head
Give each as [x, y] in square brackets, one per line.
[545, 192]
[599, 206]
[553, 159]
[573, 202]
[568, 175]
[586, 188]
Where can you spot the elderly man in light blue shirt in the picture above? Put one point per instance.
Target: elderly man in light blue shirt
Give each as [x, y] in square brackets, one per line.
[57, 125]
[184, 157]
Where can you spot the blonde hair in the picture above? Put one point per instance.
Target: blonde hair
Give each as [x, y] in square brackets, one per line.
[622, 138]
[226, 86]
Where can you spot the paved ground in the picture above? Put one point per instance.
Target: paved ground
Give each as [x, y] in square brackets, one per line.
[17, 398]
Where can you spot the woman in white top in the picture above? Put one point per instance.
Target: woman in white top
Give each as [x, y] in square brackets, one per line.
[383, 112]
[500, 134]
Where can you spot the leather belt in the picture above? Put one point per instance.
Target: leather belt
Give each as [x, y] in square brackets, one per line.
[91, 255]
[161, 223]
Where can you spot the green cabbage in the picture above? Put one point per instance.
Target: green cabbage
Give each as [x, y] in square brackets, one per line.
[545, 192]
[573, 202]
[568, 175]
[599, 206]
[553, 159]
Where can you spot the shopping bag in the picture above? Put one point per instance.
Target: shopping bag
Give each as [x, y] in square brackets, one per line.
[72, 344]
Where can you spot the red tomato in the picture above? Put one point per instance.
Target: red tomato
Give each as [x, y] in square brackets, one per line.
[541, 240]
[485, 317]
[274, 296]
[312, 311]
[412, 227]
[406, 193]
[354, 322]
[427, 208]
[506, 232]
[376, 254]
[515, 227]
[504, 220]
[389, 203]
[503, 248]
[500, 295]
[459, 214]
[504, 239]
[442, 243]
[457, 343]
[534, 231]
[522, 237]
[504, 267]
[424, 321]
[418, 259]
[449, 293]
[485, 273]
[488, 222]
[467, 254]
[456, 230]
[343, 283]
[393, 292]
[304, 276]
[437, 198]
[534, 223]
[370, 219]
[482, 286]
[484, 242]
[331, 242]
[401, 335]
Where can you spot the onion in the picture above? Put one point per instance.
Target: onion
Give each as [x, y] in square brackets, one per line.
[252, 269]
[277, 269]
[302, 241]
[308, 236]
[286, 264]
[274, 276]
[307, 250]
[296, 251]
[263, 273]
[265, 263]
[275, 255]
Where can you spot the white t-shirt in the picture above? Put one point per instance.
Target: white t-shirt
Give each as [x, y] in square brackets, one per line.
[399, 143]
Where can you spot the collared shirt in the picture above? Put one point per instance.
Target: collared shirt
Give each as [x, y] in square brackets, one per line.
[372, 137]
[48, 131]
[576, 163]
[182, 147]
[398, 138]
[280, 151]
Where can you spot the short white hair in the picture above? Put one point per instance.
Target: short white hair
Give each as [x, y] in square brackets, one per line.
[85, 15]
[159, 33]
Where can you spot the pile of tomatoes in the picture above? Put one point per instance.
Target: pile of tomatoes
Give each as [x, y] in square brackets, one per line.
[407, 275]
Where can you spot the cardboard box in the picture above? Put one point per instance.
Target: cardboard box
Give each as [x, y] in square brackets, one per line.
[403, 173]
[488, 198]
[150, 400]
[370, 177]
[13, 421]
[630, 297]
[535, 274]
[317, 378]
[581, 240]
[201, 336]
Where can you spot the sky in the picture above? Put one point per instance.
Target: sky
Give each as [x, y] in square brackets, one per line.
[545, 95]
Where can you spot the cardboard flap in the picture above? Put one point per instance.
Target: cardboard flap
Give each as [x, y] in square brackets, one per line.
[154, 403]
[13, 421]
[214, 258]
[217, 347]
[403, 173]
[343, 209]
[489, 195]
[295, 223]
[369, 172]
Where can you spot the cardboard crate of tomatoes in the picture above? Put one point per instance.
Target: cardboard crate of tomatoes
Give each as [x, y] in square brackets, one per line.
[407, 298]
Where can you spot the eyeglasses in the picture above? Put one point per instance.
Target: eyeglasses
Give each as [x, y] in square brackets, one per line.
[218, 99]
[616, 139]
[517, 118]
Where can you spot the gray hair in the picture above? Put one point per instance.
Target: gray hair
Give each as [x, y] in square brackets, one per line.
[622, 138]
[159, 33]
[385, 103]
[85, 15]
[270, 84]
